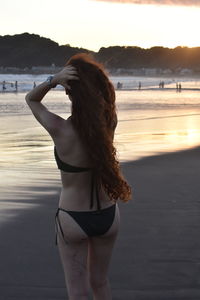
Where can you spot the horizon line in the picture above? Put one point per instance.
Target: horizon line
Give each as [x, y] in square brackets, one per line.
[126, 46]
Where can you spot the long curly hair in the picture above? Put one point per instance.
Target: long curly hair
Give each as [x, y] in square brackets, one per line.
[94, 117]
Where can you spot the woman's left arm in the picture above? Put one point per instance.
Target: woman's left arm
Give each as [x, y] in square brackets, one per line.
[50, 121]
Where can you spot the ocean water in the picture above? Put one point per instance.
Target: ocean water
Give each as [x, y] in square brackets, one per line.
[150, 121]
[26, 81]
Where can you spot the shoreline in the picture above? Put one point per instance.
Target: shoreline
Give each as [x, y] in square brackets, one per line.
[157, 249]
[50, 70]
[25, 82]
[166, 89]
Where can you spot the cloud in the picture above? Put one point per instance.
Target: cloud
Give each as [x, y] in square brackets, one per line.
[158, 2]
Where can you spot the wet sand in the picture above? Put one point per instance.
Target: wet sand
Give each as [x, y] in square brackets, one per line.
[157, 254]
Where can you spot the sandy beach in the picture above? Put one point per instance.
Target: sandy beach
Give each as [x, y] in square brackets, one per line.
[150, 52]
[157, 253]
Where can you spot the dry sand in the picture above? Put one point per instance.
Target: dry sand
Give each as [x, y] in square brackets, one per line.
[157, 254]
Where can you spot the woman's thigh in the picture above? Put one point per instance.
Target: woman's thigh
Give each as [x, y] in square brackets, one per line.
[73, 251]
[100, 250]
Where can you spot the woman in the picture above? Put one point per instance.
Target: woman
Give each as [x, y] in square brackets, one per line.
[87, 220]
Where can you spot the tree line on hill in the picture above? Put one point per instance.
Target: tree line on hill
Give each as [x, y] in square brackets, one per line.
[27, 50]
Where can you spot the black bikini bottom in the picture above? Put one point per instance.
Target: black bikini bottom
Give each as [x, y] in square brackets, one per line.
[93, 223]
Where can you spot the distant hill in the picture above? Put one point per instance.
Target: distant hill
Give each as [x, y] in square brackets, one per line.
[155, 57]
[28, 50]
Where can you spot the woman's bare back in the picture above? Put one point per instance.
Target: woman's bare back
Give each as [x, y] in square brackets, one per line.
[76, 187]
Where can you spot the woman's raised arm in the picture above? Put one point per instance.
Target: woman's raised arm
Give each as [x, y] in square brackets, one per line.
[50, 121]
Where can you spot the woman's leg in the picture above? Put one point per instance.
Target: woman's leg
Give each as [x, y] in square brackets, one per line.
[74, 257]
[100, 252]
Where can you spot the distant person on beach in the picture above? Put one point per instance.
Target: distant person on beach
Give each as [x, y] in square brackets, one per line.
[139, 85]
[16, 85]
[34, 84]
[180, 87]
[88, 218]
[4, 85]
[119, 85]
[161, 85]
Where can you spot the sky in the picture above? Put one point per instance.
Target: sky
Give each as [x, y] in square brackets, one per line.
[93, 24]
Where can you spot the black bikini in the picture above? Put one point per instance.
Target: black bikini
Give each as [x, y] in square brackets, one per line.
[93, 223]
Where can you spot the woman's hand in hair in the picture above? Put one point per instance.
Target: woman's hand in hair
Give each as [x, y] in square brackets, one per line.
[66, 74]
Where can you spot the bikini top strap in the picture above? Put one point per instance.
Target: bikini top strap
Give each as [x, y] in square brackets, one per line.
[94, 183]
[97, 197]
[92, 191]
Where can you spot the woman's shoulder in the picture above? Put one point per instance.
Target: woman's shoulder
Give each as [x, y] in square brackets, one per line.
[68, 134]
[69, 145]
[69, 129]
[67, 126]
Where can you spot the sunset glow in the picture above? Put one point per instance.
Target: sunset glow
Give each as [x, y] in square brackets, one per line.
[93, 24]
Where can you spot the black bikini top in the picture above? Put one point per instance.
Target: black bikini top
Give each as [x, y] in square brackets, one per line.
[66, 167]
[72, 169]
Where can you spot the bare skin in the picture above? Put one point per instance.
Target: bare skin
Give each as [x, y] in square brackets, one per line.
[85, 259]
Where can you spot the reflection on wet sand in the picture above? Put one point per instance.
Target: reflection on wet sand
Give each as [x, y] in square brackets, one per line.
[146, 127]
